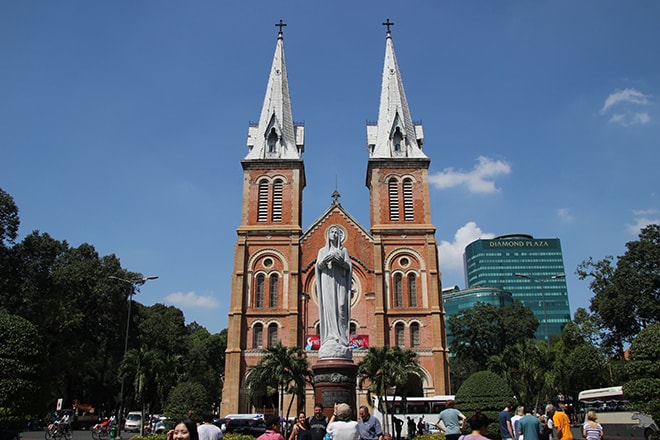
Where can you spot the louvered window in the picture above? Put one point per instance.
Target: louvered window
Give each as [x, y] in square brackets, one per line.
[398, 290]
[399, 337]
[414, 334]
[262, 215]
[272, 301]
[412, 290]
[272, 335]
[277, 201]
[393, 187]
[258, 336]
[408, 208]
[259, 291]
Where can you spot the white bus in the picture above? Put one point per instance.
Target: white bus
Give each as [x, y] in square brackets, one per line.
[614, 415]
[413, 407]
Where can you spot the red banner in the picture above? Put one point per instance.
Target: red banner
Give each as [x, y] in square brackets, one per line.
[313, 342]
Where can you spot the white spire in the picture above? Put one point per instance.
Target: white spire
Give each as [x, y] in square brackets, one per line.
[276, 137]
[394, 135]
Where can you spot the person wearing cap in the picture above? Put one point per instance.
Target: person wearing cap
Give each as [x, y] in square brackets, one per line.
[273, 429]
[369, 426]
[341, 427]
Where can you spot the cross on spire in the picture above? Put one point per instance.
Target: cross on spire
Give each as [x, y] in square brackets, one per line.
[281, 24]
[388, 23]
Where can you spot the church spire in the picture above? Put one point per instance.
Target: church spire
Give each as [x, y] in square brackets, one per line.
[276, 136]
[395, 134]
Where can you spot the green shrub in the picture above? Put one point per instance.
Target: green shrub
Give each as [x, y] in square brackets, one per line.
[150, 437]
[486, 392]
[237, 437]
[439, 436]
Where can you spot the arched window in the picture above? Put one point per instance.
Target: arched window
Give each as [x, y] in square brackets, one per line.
[272, 335]
[397, 140]
[408, 207]
[412, 290]
[414, 334]
[393, 188]
[259, 290]
[277, 200]
[272, 141]
[352, 328]
[398, 290]
[399, 338]
[262, 214]
[273, 290]
[258, 336]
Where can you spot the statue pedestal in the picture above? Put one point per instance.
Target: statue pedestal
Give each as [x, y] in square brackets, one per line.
[334, 381]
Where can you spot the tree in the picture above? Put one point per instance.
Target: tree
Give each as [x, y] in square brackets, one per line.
[524, 366]
[485, 330]
[281, 371]
[20, 360]
[643, 369]
[187, 397]
[143, 366]
[626, 297]
[385, 367]
[9, 219]
[486, 392]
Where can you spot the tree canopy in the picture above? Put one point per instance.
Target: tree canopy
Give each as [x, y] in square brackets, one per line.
[626, 296]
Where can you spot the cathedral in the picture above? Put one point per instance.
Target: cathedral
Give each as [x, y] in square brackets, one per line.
[396, 294]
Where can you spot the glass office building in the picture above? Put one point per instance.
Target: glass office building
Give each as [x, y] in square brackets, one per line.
[532, 269]
[456, 301]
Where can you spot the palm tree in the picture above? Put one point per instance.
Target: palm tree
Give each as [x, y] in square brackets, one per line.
[384, 368]
[143, 366]
[281, 371]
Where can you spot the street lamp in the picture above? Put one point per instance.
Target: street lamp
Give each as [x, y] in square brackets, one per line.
[545, 307]
[134, 285]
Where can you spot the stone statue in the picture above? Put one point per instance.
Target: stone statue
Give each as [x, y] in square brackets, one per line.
[333, 288]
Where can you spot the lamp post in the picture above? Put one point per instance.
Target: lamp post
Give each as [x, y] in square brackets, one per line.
[545, 307]
[134, 285]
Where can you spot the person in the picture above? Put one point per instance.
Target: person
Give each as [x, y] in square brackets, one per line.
[421, 425]
[452, 421]
[341, 427]
[561, 423]
[504, 418]
[273, 429]
[592, 430]
[546, 423]
[300, 430]
[398, 425]
[333, 285]
[478, 424]
[520, 413]
[529, 427]
[369, 426]
[185, 429]
[411, 428]
[317, 423]
[207, 430]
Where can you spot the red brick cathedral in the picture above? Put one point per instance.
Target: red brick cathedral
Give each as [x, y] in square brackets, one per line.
[397, 294]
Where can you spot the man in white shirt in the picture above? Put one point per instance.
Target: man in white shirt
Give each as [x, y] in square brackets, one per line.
[207, 430]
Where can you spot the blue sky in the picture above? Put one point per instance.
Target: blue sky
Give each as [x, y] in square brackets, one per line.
[123, 123]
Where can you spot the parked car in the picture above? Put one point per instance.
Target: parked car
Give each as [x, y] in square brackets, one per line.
[220, 423]
[249, 424]
[133, 421]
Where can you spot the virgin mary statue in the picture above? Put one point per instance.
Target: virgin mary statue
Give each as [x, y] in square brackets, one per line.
[333, 288]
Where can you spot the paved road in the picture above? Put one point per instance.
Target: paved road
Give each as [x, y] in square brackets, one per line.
[77, 435]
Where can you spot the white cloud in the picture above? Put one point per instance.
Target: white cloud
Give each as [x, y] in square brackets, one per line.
[564, 214]
[479, 180]
[451, 253]
[629, 96]
[627, 102]
[191, 299]
[643, 218]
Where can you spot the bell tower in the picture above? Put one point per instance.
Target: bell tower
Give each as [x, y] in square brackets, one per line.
[266, 279]
[408, 287]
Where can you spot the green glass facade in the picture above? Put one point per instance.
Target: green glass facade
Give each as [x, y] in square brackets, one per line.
[457, 301]
[526, 267]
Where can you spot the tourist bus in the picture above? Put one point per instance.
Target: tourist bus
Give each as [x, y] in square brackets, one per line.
[413, 407]
[614, 414]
